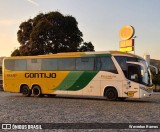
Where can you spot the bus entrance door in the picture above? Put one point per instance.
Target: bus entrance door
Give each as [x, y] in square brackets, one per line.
[133, 79]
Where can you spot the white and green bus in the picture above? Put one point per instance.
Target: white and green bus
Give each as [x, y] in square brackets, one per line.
[113, 75]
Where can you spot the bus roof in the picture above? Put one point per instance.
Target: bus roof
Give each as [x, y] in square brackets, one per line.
[125, 54]
[77, 54]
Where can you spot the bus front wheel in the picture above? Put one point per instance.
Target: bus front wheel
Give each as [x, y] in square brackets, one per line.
[36, 91]
[111, 94]
[25, 91]
[121, 98]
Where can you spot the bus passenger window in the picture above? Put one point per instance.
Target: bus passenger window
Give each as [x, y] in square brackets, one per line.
[34, 64]
[9, 64]
[85, 63]
[16, 65]
[105, 64]
[20, 65]
[66, 64]
[49, 64]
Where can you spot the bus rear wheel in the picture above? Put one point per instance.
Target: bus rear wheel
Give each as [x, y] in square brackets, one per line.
[111, 94]
[36, 91]
[51, 95]
[25, 91]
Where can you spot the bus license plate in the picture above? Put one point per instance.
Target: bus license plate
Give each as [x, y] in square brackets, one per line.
[130, 94]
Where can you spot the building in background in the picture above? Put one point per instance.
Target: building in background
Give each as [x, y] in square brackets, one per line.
[153, 66]
[147, 58]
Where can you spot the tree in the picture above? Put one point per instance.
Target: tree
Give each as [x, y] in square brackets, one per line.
[50, 33]
[86, 47]
[16, 52]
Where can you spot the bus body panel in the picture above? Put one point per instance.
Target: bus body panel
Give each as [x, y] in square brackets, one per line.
[72, 82]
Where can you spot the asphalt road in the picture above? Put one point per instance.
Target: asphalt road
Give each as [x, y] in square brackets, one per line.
[14, 108]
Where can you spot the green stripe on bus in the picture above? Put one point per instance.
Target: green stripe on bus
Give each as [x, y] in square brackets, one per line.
[76, 80]
[83, 81]
[95, 55]
[69, 80]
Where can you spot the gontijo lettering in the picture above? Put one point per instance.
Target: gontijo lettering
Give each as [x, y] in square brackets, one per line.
[40, 75]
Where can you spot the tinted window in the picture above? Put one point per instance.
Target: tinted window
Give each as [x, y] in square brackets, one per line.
[49, 64]
[133, 59]
[105, 64]
[134, 73]
[85, 63]
[66, 64]
[9, 64]
[17, 65]
[122, 61]
[34, 64]
[20, 65]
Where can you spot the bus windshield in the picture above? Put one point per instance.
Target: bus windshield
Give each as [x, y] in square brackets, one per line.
[135, 69]
[145, 72]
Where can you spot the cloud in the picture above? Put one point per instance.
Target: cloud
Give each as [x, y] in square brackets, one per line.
[33, 2]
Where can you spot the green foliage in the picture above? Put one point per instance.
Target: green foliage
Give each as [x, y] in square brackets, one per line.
[15, 53]
[50, 33]
[86, 47]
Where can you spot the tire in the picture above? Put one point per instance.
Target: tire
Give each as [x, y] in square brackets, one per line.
[36, 91]
[51, 95]
[25, 91]
[111, 94]
[121, 98]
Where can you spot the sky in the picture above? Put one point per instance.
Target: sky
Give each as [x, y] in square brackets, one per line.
[100, 21]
